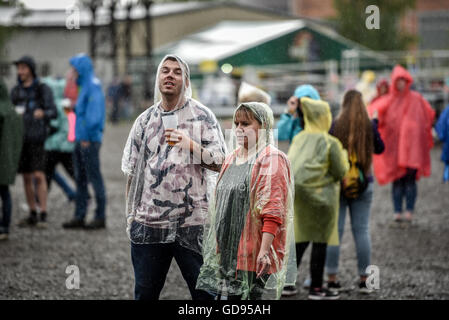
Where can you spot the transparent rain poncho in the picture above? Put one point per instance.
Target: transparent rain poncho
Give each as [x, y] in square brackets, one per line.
[251, 197]
[167, 189]
[318, 162]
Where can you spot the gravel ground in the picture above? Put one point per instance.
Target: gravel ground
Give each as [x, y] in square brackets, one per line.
[413, 262]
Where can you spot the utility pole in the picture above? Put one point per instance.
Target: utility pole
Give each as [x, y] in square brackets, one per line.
[113, 30]
[129, 7]
[93, 6]
[149, 49]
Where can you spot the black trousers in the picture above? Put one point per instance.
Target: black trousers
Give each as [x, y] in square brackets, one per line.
[55, 157]
[317, 261]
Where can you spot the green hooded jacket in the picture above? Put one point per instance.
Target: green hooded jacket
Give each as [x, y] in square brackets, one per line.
[58, 140]
[11, 138]
[318, 163]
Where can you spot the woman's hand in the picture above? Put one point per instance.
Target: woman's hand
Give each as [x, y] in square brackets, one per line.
[263, 263]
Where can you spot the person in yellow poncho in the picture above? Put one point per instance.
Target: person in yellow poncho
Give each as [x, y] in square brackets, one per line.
[318, 163]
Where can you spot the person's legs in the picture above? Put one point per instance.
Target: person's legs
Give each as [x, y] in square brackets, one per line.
[398, 193]
[360, 215]
[52, 161]
[59, 179]
[333, 252]
[411, 192]
[317, 260]
[300, 249]
[81, 183]
[67, 163]
[6, 207]
[41, 189]
[151, 263]
[189, 263]
[91, 157]
[28, 184]
[66, 159]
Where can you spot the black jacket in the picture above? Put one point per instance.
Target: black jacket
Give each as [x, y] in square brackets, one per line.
[38, 95]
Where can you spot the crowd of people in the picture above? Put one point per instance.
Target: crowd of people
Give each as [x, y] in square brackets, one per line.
[237, 214]
[46, 122]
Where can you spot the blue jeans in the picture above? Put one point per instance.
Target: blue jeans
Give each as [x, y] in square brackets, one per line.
[6, 207]
[405, 187]
[86, 162]
[59, 179]
[359, 211]
[151, 263]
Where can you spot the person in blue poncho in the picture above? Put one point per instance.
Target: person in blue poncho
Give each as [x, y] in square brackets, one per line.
[290, 123]
[90, 117]
[442, 129]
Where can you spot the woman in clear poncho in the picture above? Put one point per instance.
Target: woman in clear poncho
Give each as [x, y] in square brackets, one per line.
[251, 215]
[319, 162]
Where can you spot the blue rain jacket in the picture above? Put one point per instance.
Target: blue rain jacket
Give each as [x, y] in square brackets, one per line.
[90, 105]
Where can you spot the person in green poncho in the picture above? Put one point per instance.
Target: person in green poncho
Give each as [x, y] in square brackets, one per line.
[318, 163]
[57, 145]
[11, 135]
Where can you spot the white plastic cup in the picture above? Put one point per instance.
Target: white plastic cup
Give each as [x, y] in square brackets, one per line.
[66, 103]
[20, 109]
[170, 121]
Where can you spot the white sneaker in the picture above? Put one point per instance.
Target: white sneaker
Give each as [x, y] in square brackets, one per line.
[289, 291]
[364, 289]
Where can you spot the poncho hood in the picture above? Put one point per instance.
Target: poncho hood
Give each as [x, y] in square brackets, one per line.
[317, 115]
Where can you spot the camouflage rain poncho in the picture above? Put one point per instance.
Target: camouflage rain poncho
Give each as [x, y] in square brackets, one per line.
[168, 190]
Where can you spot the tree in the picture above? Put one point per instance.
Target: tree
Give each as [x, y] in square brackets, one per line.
[351, 17]
[6, 31]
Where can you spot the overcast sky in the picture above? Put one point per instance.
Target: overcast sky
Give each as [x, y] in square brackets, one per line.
[48, 4]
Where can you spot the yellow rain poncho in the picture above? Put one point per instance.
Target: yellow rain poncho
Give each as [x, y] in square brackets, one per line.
[251, 198]
[318, 163]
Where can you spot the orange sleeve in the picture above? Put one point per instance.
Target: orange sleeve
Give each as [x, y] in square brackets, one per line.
[272, 192]
[271, 224]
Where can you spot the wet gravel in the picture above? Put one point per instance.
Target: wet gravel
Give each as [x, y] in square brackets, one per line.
[413, 262]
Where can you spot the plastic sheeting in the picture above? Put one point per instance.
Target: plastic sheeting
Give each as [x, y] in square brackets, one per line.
[167, 199]
[252, 197]
[319, 162]
[405, 125]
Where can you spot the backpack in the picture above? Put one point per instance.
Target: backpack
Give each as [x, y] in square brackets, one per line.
[354, 182]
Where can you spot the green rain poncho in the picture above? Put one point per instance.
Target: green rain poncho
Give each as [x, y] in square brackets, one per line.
[318, 162]
[11, 135]
[250, 198]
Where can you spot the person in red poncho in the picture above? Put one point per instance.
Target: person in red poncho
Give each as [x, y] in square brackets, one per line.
[405, 124]
[382, 89]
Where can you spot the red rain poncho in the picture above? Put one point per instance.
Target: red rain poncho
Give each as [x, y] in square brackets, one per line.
[405, 124]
